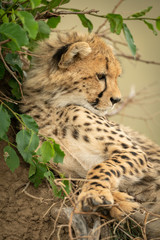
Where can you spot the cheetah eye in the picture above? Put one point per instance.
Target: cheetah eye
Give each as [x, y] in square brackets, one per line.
[101, 76]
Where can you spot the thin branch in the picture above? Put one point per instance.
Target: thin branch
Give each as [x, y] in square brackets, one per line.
[5, 41]
[117, 5]
[113, 11]
[137, 59]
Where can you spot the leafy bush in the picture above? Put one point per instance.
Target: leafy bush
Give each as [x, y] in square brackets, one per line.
[23, 23]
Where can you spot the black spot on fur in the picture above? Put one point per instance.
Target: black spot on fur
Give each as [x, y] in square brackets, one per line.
[107, 179]
[75, 134]
[98, 122]
[123, 168]
[112, 171]
[36, 116]
[111, 138]
[89, 117]
[95, 177]
[108, 174]
[61, 114]
[118, 173]
[87, 112]
[141, 161]
[115, 160]
[55, 132]
[75, 117]
[106, 149]
[97, 167]
[124, 145]
[130, 164]
[134, 153]
[88, 129]
[66, 120]
[121, 135]
[124, 157]
[86, 139]
[113, 132]
[105, 130]
[116, 151]
[87, 124]
[100, 138]
[64, 132]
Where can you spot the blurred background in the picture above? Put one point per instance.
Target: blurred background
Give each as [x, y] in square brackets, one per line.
[139, 80]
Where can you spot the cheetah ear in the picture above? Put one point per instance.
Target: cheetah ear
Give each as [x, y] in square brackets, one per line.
[81, 49]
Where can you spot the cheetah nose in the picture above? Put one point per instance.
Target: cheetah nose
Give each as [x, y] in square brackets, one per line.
[114, 100]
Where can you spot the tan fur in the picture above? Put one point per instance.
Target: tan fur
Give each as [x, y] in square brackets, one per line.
[69, 89]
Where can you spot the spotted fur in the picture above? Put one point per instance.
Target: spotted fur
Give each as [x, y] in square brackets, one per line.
[69, 90]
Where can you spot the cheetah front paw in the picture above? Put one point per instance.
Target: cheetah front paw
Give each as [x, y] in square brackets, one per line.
[124, 204]
[118, 203]
[92, 199]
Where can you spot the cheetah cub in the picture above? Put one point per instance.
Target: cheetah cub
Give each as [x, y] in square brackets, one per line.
[69, 90]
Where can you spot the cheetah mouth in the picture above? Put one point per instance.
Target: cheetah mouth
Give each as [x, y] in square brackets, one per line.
[99, 110]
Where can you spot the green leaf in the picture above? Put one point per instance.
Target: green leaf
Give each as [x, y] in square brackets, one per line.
[150, 26]
[116, 22]
[50, 177]
[59, 154]
[16, 33]
[35, 3]
[15, 88]
[29, 24]
[55, 3]
[29, 122]
[44, 30]
[2, 69]
[53, 21]
[27, 143]
[67, 185]
[4, 18]
[47, 151]
[4, 121]
[142, 13]
[32, 170]
[14, 61]
[129, 39]
[86, 22]
[158, 23]
[11, 158]
[40, 170]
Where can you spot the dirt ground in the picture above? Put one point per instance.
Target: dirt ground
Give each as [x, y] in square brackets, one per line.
[25, 212]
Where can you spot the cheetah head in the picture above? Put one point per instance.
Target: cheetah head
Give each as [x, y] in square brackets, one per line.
[77, 69]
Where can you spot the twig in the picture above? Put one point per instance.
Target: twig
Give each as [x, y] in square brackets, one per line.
[145, 223]
[49, 209]
[126, 233]
[113, 11]
[5, 41]
[137, 59]
[32, 196]
[117, 5]
[8, 99]
[59, 230]
[55, 223]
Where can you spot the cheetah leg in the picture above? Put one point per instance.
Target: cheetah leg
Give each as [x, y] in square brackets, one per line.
[101, 187]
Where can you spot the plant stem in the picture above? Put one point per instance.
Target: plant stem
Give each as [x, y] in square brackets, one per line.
[15, 114]
[8, 9]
